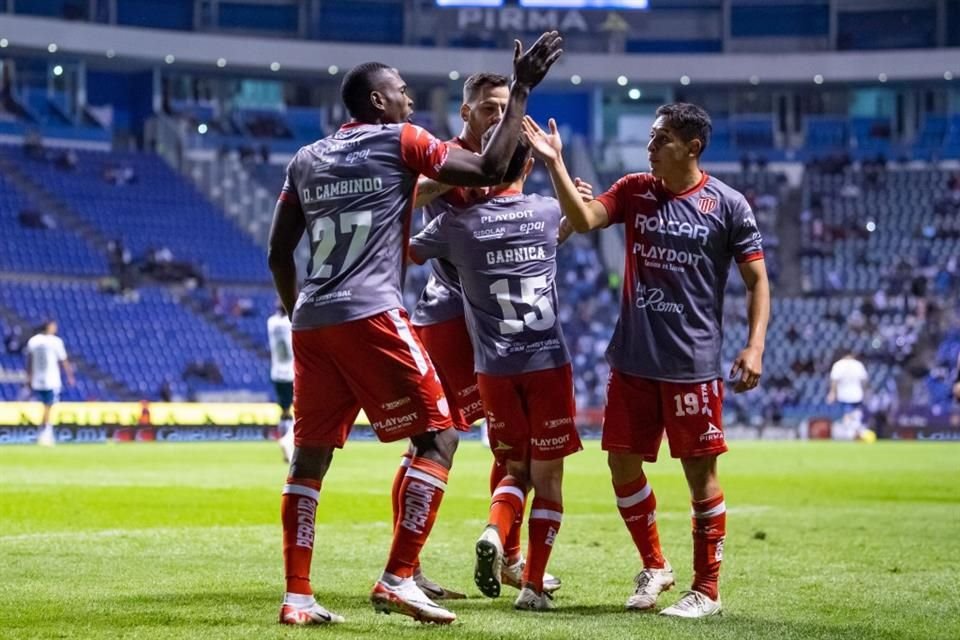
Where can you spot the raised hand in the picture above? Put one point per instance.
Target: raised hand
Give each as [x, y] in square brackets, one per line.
[529, 67]
[546, 147]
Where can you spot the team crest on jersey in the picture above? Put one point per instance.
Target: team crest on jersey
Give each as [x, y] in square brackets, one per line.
[707, 204]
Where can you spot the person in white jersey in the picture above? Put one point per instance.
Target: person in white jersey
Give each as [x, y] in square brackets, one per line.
[848, 386]
[45, 354]
[280, 334]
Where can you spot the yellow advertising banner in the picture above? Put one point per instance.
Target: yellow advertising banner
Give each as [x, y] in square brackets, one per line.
[133, 414]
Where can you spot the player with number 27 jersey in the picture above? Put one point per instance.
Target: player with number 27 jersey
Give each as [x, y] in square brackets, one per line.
[356, 191]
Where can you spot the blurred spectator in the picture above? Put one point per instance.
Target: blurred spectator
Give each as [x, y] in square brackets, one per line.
[67, 160]
[13, 339]
[33, 219]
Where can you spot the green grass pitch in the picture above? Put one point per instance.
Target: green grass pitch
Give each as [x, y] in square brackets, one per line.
[156, 541]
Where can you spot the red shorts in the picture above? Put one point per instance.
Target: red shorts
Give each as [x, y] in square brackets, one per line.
[448, 344]
[639, 410]
[531, 415]
[376, 364]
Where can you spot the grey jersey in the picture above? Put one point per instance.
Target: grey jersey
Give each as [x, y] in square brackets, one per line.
[441, 299]
[505, 251]
[679, 249]
[356, 189]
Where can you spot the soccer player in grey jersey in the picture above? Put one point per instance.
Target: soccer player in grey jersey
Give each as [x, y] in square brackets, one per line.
[353, 345]
[504, 248]
[683, 228]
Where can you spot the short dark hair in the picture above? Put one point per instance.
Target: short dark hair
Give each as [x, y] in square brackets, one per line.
[517, 161]
[476, 82]
[357, 85]
[689, 120]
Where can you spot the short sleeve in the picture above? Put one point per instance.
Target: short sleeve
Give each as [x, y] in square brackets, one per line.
[421, 151]
[746, 244]
[616, 199]
[61, 351]
[432, 242]
[289, 191]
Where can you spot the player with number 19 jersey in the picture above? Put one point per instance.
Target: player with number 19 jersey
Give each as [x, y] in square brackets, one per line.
[505, 249]
[356, 190]
[665, 350]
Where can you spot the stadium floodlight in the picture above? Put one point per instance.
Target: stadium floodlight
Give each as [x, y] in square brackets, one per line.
[52, 47]
[454, 75]
[3, 43]
[882, 77]
[684, 80]
[634, 94]
[818, 79]
[575, 79]
[333, 69]
[221, 62]
[58, 70]
[169, 58]
[111, 53]
[274, 66]
[622, 81]
[948, 75]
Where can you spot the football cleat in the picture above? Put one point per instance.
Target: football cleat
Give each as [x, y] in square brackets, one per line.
[310, 614]
[46, 438]
[433, 590]
[486, 573]
[530, 600]
[650, 584]
[693, 604]
[512, 574]
[407, 599]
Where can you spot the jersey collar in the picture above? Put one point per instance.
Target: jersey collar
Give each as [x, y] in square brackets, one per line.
[689, 192]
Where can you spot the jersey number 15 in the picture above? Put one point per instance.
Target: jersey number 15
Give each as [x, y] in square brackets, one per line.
[541, 315]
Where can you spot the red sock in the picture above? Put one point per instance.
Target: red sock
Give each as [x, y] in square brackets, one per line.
[709, 528]
[511, 543]
[420, 494]
[545, 519]
[298, 512]
[397, 481]
[638, 508]
[395, 490]
[505, 505]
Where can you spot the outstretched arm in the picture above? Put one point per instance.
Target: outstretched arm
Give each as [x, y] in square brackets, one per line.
[748, 365]
[467, 169]
[583, 216]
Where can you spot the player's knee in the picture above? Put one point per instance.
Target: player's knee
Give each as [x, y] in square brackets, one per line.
[438, 446]
[311, 462]
[520, 471]
[624, 467]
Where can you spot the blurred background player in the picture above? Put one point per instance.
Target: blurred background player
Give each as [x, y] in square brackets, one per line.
[353, 344]
[682, 228]
[848, 386]
[280, 334]
[504, 247]
[45, 354]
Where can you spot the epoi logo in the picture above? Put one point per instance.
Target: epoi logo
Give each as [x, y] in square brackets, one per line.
[652, 299]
